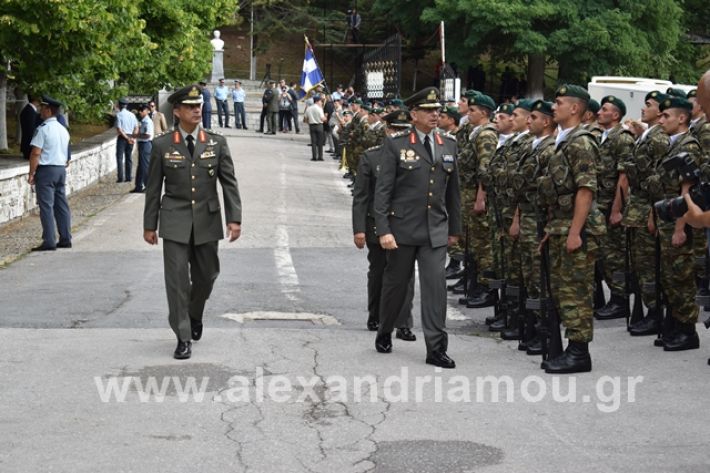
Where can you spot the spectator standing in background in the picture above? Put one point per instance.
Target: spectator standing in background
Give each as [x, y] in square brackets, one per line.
[238, 97]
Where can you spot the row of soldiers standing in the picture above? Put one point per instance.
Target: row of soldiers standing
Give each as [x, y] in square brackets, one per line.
[569, 179]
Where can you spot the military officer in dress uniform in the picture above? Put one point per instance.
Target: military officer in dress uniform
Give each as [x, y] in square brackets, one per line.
[190, 161]
[417, 214]
[364, 231]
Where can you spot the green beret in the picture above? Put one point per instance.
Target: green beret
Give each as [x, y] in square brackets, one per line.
[676, 92]
[377, 110]
[506, 108]
[453, 112]
[542, 107]
[571, 90]
[692, 94]
[190, 95]
[398, 119]
[675, 102]
[655, 95]
[397, 102]
[593, 106]
[347, 112]
[471, 93]
[525, 104]
[482, 100]
[357, 102]
[617, 102]
[425, 98]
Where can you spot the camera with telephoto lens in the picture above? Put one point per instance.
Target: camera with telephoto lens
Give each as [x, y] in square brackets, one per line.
[675, 207]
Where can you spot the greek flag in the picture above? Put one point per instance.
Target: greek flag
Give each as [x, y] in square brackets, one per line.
[311, 75]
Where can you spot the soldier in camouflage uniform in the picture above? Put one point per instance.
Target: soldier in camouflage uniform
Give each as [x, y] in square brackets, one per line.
[532, 165]
[575, 224]
[502, 169]
[649, 150]
[700, 129]
[616, 146]
[590, 119]
[374, 133]
[473, 163]
[677, 269]
[356, 140]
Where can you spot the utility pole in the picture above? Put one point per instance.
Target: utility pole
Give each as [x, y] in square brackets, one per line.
[252, 57]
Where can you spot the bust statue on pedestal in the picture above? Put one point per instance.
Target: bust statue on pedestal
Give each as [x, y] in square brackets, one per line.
[217, 57]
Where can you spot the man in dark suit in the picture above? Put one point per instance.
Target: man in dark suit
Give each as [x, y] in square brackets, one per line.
[190, 161]
[206, 106]
[29, 121]
[364, 232]
[417, 214]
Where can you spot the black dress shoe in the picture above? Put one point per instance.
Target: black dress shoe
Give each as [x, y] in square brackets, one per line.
[405, 334]
[683, 338]
[498, 325]
[42, 247]
[373, 325]
[487, 299]
[183, 350]
[575, 359]
[196, 329]
[511, 333]
[137, 191]
[440, 359]
[383, 343]
[64, 244]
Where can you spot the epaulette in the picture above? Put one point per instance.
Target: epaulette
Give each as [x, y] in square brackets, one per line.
[212, 132]
[399, 134]
[448, 135]
[374, 148]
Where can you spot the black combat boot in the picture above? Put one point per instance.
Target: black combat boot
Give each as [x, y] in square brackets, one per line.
[667, 330]
[616, 308]
[575, 359]
[513, 330]
[454, 269]
[534, 346]
[488, 298]
[473, 291]
[684, 337]
[457, 287]
[498, 324]
[646, 326]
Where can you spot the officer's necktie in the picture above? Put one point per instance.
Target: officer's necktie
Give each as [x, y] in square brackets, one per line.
[191, 144]
[427, 145]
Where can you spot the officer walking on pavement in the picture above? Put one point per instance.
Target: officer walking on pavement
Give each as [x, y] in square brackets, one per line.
[48, 162]
[417, 214]
[190, 161]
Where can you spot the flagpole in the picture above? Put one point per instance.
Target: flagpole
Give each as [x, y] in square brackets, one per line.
[309, 46]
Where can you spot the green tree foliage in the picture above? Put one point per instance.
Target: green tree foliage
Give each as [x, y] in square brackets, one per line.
[610, 37]
[88, 52]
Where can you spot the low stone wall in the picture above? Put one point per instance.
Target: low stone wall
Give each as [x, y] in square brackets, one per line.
[91, 159]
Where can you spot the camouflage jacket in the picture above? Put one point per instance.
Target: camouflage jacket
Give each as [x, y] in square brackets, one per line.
[477, 155]
[532, 165]
[503, 166]
[572, 166]
[701, 131]
[613, 152]
[667, 183]
[596, 130]
[355, 137]
[374, 135]
[649, 151]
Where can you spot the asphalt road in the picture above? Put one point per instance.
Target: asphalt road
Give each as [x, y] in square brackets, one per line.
[289, 307]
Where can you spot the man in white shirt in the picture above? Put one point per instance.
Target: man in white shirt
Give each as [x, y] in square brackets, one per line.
[315, 118]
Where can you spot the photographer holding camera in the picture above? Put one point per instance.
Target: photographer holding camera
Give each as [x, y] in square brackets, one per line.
[676, 175]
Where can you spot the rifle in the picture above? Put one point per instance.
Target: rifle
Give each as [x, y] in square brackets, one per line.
[552, 341]
[633, 281]
[599, 300]
[466, 256]
[657, 285]
[499, 279]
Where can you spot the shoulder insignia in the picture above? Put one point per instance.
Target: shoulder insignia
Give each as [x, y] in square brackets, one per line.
[374, 148]
[399, 134]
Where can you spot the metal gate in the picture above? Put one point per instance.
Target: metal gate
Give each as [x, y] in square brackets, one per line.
[380, 75]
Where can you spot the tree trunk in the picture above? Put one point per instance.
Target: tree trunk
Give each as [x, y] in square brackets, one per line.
[3, 111]
[536, 76]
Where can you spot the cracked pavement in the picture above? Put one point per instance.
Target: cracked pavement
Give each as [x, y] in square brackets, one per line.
[298, 395]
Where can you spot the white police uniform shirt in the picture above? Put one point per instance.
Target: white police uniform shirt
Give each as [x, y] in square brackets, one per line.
[53, 139]
[126, 121]
[146, 128]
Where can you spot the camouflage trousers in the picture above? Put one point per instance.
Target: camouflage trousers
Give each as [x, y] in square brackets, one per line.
[612, 255]
[572, 285]
[643, 257]
[678, 275]
[506, 253]
[529, 255]
[479, 234]
[699, 251]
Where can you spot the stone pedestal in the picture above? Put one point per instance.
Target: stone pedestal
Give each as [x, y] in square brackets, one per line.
[217, 66]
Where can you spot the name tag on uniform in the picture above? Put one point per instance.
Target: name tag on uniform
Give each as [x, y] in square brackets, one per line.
[448, 158]
[174, 156]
